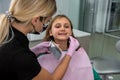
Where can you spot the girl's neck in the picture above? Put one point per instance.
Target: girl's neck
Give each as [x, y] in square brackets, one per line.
[62, 44]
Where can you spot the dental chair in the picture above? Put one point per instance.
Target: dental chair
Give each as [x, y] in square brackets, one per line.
[106, 66]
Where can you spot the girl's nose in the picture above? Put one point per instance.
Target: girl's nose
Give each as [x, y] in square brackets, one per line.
[62, 28]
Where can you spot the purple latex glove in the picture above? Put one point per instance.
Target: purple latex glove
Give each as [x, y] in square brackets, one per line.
[74, 44]
[41, 48]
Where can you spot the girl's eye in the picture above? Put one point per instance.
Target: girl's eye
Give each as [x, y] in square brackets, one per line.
[66, 26]
[57, 26]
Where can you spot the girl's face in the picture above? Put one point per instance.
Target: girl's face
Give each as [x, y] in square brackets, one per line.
[61, 29]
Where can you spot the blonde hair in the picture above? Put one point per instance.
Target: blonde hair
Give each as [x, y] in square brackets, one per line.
[23, 11]
[47, 35]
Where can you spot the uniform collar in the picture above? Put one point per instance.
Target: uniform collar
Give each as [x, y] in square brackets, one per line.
[22, 38]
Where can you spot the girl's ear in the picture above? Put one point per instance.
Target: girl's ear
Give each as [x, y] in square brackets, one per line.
[50, 32]
[71, 33]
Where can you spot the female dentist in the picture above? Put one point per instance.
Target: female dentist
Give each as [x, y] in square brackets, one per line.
[17, 62]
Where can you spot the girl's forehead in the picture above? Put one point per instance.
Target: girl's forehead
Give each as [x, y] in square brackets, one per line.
[61, 20]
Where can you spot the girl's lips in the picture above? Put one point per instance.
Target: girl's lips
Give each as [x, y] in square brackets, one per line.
[62, 33]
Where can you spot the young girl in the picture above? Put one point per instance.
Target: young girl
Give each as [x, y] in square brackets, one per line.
[59, 30]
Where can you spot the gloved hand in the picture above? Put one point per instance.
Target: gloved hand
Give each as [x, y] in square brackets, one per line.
[41, 48]
[73, 45]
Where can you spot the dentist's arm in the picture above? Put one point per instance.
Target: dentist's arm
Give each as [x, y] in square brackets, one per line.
[57, 74]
